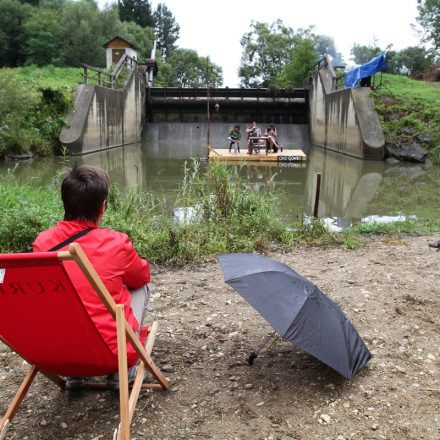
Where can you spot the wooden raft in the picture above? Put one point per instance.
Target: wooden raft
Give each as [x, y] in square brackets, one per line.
[280, 156]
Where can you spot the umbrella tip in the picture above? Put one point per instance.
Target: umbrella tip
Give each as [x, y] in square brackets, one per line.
[251, 358]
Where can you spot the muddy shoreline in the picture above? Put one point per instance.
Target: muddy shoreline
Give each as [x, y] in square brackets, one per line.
[390, 291]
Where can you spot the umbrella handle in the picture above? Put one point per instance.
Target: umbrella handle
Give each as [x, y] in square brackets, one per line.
[251, 358]
[254, 355]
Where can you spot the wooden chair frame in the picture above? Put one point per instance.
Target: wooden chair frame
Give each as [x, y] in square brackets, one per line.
[127, 401]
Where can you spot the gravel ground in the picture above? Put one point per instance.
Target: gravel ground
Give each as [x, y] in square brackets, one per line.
[390, 291]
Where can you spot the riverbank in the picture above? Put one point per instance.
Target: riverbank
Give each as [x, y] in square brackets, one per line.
[388, 288]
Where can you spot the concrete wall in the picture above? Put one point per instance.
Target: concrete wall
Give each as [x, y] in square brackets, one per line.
[345, 120]
[347, 184]
[188, 139]
[104, 118]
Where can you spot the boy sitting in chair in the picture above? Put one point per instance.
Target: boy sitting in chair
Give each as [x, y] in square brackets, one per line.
[84, 193]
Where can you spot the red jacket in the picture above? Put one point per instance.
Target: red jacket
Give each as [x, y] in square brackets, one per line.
[117, 263]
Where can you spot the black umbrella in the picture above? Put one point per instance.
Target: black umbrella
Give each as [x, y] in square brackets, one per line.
[297, 310]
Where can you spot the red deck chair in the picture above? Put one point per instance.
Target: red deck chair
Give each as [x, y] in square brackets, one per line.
[44, 321]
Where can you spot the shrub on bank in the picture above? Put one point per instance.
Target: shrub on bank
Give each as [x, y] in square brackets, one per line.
[409, 110]
[223, 216]
[33, 104]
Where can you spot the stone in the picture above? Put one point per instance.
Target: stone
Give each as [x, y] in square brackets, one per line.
[168, 368]
[407, 151]
[424, 138]
[392, 161]
[325, 418]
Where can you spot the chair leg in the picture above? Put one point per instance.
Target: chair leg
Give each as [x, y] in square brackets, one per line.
[124, 425]
[18, 398]
[3, 428]
[138, 385]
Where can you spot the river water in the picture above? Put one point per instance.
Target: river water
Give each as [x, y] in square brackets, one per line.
[352, 190]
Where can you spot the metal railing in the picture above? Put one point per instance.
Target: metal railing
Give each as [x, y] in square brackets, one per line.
[225, 93]
[99, 76]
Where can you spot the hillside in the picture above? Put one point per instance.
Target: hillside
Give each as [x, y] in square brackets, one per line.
[33, 104]
[409, 110]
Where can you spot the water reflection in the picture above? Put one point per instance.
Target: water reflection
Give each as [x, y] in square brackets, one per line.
[348, 185]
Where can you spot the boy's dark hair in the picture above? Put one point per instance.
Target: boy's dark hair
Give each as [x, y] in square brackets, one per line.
[83, 191]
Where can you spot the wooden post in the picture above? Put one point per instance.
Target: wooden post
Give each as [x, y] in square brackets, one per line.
[208, 140]
[318, 191]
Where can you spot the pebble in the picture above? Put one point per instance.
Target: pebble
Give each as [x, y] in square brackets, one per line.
[375, 427]
[43, 423]
[168, 369]
[260, 403]
[248, 386]
[326, 418]
[64, 425]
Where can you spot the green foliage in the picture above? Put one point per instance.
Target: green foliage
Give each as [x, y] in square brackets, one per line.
[362, 54]
[326, 45]
[296, 70]
[32, 112]
[266, 49]
[137, 11]
[12, 38]
[43, 33]
[407, 109]
[80, 20]
[141, 37]
[429, 13]
[191, 70]
[166, 29]
[278, 55]
[26, 210]
[222, 217]
[413, 60]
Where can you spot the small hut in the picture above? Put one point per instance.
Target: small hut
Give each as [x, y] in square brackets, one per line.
[116, 47]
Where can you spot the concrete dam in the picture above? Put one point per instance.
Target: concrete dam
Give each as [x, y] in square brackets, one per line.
[344, 121]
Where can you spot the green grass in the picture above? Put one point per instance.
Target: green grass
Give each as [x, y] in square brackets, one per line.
[33, 104]
[47, 77]
[230, 219]
[409, 108]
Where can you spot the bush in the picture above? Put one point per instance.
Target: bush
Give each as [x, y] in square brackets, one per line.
[31, 116]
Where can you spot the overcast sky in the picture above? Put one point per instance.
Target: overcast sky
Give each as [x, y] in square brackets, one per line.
[215, 28]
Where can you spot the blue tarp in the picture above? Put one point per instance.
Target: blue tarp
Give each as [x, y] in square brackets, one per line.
[353, 78]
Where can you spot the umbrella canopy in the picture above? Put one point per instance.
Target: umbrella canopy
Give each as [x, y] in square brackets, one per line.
[297, 310]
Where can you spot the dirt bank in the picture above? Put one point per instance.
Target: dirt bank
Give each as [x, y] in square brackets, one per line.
[390, 291]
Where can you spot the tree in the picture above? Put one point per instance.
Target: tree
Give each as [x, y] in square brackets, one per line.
[266, 50]
[141, 38]
[429, 20]
[191, 70]
[167, 30]
[413, 60]
[43, 33]
[138, 11]
[12, 39]
[363, 54]
[302, 57]
[326, 45]
[80, 21]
